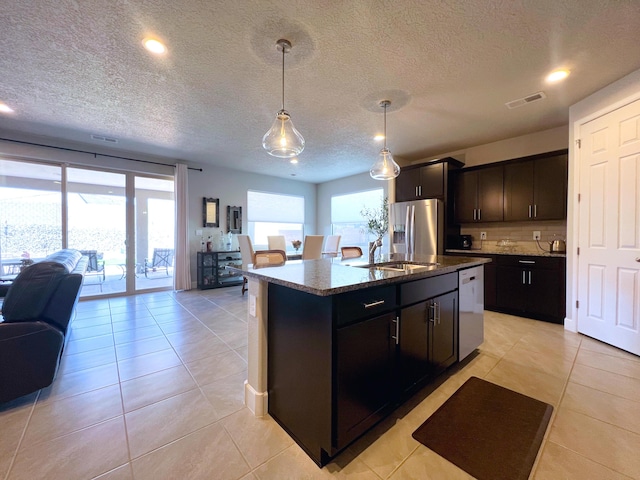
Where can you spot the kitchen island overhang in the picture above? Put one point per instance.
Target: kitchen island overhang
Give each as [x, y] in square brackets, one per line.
[333, 284]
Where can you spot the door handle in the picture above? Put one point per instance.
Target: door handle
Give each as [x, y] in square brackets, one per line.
[523, 277]
[420, 190]
[373, 304]
[396, 337]
[535, 211]
[479, 213]
[529, 211]
[529, 277]
[474, 214]
[431, 313]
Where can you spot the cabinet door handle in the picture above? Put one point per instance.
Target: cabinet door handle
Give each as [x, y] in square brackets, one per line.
[437, 310]
[527, 261]
[420, 190]
[529, 277]
[535, 211]
[431, 312]
[416, 190]
[529, 211]
[396, 337]
[479, 213]
[373, 304]
[523, 277]
[474, 213]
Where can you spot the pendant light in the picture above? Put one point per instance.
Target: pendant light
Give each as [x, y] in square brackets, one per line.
[385, 167]
[283, 140]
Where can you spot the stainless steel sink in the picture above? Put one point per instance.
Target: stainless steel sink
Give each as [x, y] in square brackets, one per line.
[400, 267]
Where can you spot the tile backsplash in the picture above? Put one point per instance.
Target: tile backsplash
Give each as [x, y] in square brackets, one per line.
[519, 232]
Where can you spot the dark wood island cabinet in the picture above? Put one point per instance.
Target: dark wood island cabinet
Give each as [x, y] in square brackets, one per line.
[338, 364]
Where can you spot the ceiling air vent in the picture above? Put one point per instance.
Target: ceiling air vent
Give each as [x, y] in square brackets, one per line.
[102, 138]
[534, 97]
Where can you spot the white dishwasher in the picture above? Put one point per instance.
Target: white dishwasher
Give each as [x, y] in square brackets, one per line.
[471, 317]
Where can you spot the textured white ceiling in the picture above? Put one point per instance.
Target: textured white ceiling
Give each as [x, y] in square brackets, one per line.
[73, 68]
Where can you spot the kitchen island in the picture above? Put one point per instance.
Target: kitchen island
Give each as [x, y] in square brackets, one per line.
[336, 345]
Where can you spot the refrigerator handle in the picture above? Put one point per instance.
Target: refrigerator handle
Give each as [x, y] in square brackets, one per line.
[412, 231]
[407, 230]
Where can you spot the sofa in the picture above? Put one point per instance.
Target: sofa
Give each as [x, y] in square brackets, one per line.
[36, 311]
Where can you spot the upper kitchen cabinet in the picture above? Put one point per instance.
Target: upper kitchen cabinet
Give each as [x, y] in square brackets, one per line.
[479, 195]
[536, 188]
[424, 181]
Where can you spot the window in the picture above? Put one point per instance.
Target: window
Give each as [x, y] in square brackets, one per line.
[274, 214]
[346, 219]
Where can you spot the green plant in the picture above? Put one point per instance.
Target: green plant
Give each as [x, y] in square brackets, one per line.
[377, 219]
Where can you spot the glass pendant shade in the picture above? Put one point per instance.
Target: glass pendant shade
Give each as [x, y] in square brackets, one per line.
[385, 167]
[283, 140]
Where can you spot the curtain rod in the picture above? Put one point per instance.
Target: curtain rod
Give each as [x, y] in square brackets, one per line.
[94, 153]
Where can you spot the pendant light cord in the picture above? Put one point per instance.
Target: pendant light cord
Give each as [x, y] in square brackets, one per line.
[385, 126]
[283, 52]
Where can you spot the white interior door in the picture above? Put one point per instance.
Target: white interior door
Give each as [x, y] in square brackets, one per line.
[609, 236]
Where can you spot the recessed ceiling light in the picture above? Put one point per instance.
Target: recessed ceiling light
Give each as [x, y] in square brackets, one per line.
[4, 108]
[557, 75]
[293, 160]
[154, 46]
[378, 138]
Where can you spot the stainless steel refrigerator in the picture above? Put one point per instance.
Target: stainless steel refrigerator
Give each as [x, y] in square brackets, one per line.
[417, 227]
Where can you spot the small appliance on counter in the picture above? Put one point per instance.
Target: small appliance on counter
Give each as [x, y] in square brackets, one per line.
[466, 241]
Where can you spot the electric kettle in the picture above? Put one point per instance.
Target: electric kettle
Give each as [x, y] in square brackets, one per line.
[557, 246]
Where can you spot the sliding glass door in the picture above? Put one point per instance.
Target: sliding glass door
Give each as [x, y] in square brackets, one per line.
[154, 232]
[123, 223]
[96, 206]
[30, 214]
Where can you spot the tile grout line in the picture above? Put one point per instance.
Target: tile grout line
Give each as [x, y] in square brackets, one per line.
[22, 435]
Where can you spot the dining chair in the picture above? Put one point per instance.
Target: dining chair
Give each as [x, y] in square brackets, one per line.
[277, 242]
[351, 252]
[312, 248]
[266, 258]
[269, 258]
[331, 246]
[247, 255]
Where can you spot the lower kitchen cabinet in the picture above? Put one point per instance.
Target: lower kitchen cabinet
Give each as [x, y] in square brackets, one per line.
[427, 334]
[531, 286]
[525, 285]
[364, 375]
[339, 364]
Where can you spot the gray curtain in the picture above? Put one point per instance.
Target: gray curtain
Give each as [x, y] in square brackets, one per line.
[182, 272]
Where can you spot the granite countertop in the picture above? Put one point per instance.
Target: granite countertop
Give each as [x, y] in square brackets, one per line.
[499, 251]
[330, 276]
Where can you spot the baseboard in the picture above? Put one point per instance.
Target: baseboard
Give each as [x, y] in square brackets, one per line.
[255, 401]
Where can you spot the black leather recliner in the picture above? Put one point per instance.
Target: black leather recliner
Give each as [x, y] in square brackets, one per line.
[37, 310]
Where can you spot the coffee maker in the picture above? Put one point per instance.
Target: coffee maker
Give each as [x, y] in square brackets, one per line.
[466, 242]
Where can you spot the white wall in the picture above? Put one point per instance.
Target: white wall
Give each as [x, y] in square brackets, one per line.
[230, 187]
[510, 148]
[354, 183]
[616, 94]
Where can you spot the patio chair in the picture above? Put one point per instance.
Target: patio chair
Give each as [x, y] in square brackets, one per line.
[95, 265]
[162, 259]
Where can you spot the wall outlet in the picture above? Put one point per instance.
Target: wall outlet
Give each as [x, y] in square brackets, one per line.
[198, 233]
[483, 235]
[536, 234]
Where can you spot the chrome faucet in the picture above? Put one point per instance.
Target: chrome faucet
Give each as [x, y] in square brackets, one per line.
[372, 250]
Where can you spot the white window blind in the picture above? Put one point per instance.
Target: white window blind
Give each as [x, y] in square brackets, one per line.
[347, 208]
[274, 207]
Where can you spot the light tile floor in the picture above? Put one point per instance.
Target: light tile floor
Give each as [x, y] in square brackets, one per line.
[151, 386]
